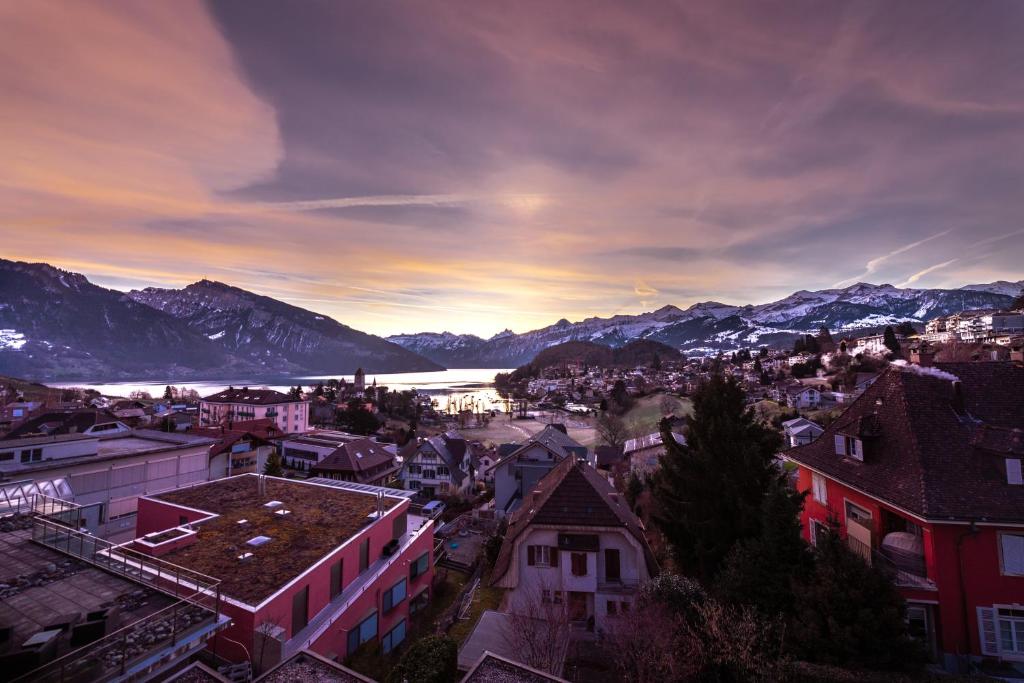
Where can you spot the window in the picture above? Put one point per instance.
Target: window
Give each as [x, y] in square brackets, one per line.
[398, 526]
[419, 602]
[419, 566]
[1013, 471]
[394, 596]
[442, 471]
[415, 469]
[337, 572]
[579, 564]
[32, 455]
[1009, 630]
[545, 595]
[558, 597]
[848, 446]
[393, 638]
[541, 556]
[624, 607]
[182, 520]
[1011, 547]
[367, 630]
[7, 455]
[611, 565]
[300, 610]
[818, 531]
[857, 513]
[917, 622]
[612, 608]
[818, 489]
[364, 555]
[414, 485]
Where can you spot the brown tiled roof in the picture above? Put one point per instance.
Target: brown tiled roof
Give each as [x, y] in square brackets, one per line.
[355, 457]
[929, 450]
[571, 494]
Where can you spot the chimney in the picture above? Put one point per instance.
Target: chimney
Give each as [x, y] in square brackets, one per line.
[922, 355]
[958, 398]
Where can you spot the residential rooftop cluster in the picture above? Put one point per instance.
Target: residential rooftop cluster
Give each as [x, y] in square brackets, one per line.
[321, 553]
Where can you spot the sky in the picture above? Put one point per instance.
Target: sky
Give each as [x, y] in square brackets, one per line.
[475, 166]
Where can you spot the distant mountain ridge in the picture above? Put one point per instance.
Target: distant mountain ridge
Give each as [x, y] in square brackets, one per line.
[56, 325]
[713, 326]
[271, 332]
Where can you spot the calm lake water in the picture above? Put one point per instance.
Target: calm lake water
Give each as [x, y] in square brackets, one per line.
[471, 388]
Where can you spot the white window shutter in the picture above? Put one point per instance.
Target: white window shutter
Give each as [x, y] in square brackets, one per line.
[840, 444]
[858, 449]
[987, 631]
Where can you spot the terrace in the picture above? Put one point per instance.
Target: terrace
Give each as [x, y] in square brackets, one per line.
[79, 608]
[318, 520]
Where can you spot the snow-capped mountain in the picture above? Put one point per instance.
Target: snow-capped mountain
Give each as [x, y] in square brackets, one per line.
[278, 336]
[712, 325]
[56, 325]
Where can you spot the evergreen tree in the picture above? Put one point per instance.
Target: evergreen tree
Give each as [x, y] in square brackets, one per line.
[842, 346]
[757, 366]
[890, 341]
[760, 572]
[273, 467]
[848, 612]
[1018, 303]
[708, 493]
[620, 395]
[168, 394]
[656, 363]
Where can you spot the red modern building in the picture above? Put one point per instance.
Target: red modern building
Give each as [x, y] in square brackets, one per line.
[302, 565]
[922, 473]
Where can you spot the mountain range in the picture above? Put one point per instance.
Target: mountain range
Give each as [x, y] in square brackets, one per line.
[56, 325]
[712, 326]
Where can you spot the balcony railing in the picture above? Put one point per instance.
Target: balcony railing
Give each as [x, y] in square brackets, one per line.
[902, 577]
[194, 615]
[623, 587]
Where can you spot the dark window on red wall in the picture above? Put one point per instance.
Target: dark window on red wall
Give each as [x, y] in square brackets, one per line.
[300, 610]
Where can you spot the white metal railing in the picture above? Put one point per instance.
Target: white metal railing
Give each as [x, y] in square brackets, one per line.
[194, 612]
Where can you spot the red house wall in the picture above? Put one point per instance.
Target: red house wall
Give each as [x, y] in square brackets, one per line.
[983, 583]
[156, 515]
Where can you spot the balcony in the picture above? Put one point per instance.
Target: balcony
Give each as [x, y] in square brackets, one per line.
[617, 586]
[184, 616]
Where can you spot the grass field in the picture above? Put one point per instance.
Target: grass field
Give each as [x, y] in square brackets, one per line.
[644, 416]
[641, 419]
[503, 430]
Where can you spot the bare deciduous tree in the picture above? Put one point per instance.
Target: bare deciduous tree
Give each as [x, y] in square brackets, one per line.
[645, 646]
[539, 630]
[611, 429]
[269, 629]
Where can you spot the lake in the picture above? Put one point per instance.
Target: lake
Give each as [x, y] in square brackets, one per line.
[471, 388]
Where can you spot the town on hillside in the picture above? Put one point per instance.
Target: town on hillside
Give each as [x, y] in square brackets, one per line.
[847, 504]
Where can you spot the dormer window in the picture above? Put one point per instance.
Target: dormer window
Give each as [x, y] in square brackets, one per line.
[849, 447]
[1013, 471]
